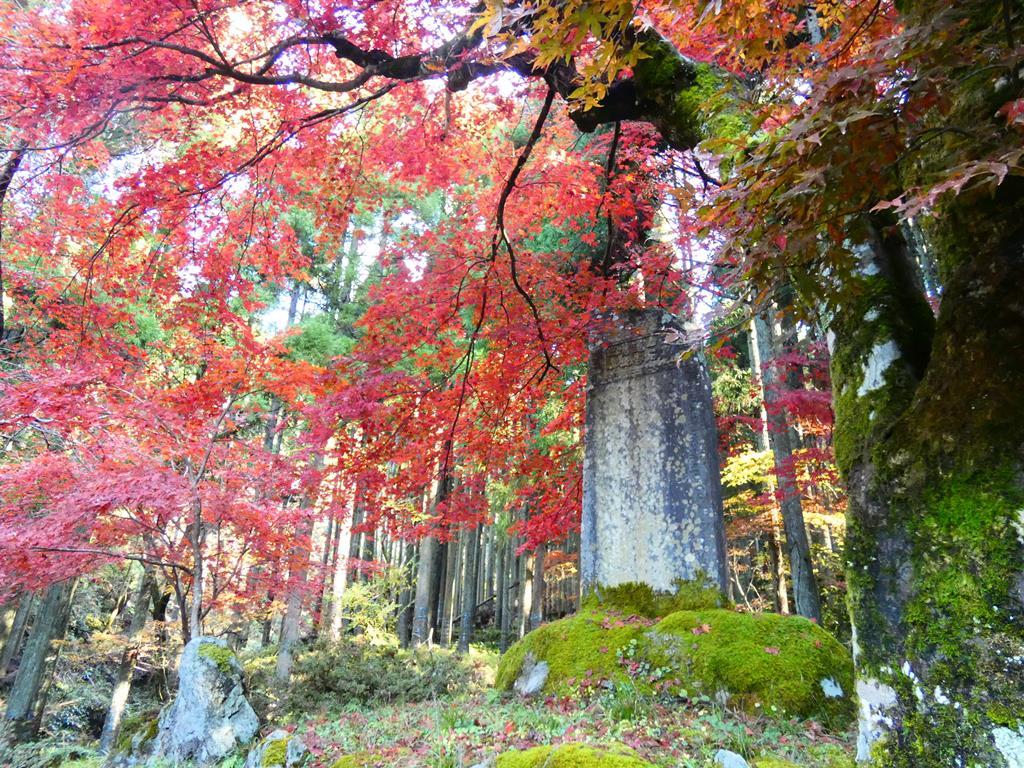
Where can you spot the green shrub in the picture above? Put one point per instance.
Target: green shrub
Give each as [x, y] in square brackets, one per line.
[358, 671]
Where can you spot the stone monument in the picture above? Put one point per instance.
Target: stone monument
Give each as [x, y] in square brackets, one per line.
[652, 499]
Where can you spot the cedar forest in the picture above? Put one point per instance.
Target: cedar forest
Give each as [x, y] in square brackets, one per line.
[301, 302]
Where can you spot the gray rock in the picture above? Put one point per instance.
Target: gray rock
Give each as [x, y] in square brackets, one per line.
[289, 756]
[727, 759]
[532, 677]
[210, 717]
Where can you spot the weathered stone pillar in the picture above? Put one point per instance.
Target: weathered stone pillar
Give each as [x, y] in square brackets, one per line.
[652, 500]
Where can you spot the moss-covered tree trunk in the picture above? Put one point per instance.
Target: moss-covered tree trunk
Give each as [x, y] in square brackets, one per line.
[930, 437]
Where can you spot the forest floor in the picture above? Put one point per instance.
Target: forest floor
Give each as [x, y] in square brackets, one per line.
[468, 728]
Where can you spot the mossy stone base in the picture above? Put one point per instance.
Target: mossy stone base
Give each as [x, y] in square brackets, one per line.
[769, 664]
[573, 756]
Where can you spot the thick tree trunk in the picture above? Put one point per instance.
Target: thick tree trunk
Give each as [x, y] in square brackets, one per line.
[16, 634]
[49, 624]
[424, 582]
[126, 669]
[929, 436]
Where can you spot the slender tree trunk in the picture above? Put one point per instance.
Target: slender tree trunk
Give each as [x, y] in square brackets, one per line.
[405, 602]
[292, 622]
[525, 598]
[501, 598]
[49, 625]
[778, 568]
[342, 545]
[17, 633]
[469, 593]
[537, 612]
[321, 607]
[196, 538]
[770, 346]
[453, 565]
[126, 669]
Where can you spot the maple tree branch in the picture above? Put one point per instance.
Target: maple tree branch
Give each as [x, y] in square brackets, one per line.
[510, 184]
[139, 558]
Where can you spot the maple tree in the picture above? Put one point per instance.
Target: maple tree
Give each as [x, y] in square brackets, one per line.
[152, 148]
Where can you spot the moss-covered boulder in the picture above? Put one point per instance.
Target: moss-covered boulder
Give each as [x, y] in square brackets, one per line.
[279, 750]
[573, 756]
[764, 663]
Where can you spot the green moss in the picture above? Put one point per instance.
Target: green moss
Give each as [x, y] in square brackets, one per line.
[219, 655]
[275, 753]
[767, 663]
[579, 649]
[639, 599]
[357, 760]
[773, 762]
[145, 724]
[573, 756]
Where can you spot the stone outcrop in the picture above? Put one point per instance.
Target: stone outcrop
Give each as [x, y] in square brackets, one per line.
[210, 717]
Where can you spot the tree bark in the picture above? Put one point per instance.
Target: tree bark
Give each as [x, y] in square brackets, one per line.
[17, 633]
[126, 669]
[770, 345]
[537, 608]
[339, 581]
[49, 625]
[501, 608]
[292, 621]
[453, 565]
[469, 588]
[929, 438]
[424, 582]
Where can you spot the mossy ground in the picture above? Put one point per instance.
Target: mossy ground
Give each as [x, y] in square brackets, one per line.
[573, 756]
[767, 664]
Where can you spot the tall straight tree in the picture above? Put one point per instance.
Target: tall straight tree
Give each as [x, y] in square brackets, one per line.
[771, 348]
[49, 625]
